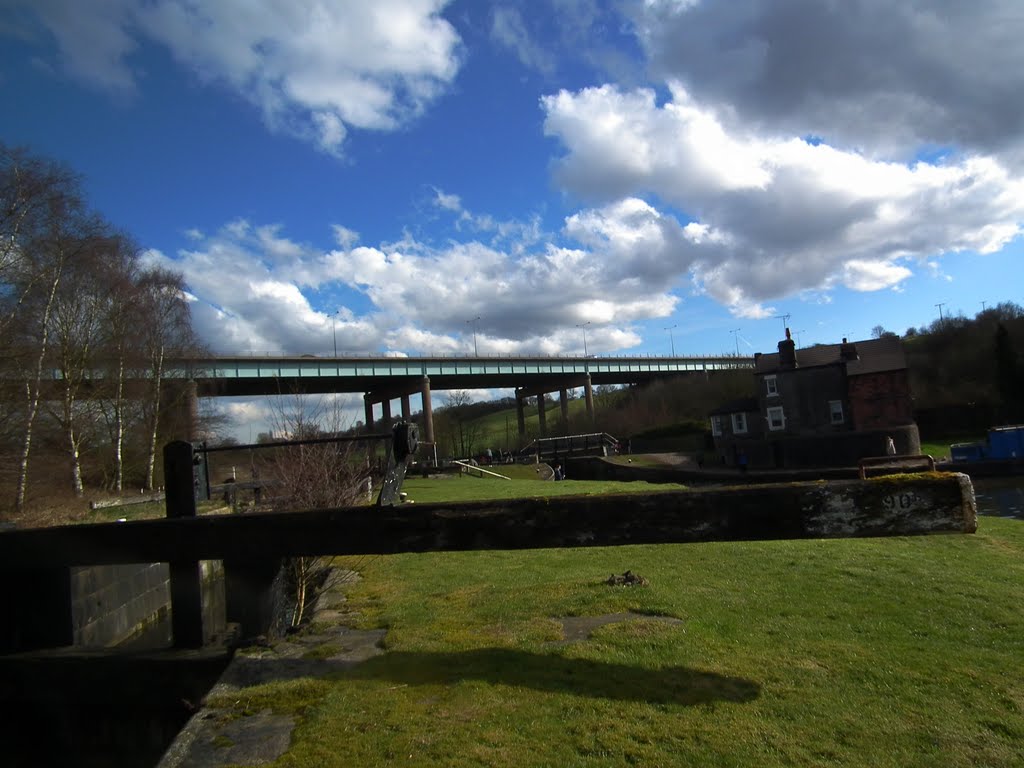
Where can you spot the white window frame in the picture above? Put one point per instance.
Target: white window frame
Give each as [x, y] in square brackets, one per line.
[739, 423]
[771, 385]
[835, 408]
[716, 426]
[776, 411]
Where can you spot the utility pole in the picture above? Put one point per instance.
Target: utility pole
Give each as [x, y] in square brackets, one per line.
[672, 340]
[584, 327]
[940, 305]
[736, 339]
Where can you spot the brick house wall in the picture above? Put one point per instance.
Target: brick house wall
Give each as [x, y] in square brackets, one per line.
[880, 400]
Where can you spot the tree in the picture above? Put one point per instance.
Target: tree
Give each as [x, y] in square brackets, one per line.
[167, 331]
[122, 318]
[455, 422]
[1007, 375]
[78, 319]
[78, 336]
[48, 228]
[318, 476]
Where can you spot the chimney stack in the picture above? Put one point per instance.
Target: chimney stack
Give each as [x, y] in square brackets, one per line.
[787, 352]
[848, 351]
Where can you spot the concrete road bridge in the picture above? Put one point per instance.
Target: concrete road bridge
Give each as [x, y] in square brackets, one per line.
[385, 379]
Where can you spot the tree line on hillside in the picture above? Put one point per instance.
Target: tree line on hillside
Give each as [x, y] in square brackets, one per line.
[81, 317]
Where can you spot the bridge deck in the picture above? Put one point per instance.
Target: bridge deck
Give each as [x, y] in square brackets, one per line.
[242, 375]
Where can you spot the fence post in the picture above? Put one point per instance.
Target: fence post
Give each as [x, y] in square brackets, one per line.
[186, 580]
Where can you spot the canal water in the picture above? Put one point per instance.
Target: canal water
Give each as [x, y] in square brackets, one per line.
[1000, 496]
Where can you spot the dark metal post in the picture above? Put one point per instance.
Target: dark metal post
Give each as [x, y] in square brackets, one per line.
[186, 583]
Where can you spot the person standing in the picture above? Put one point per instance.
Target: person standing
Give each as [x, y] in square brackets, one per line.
[890, 446]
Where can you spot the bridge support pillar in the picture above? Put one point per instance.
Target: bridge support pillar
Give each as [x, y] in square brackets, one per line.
[406, 408]
[385, 410]
[368, 409]
[428, 413]
[182, 411]
[563, 401]
[520, 416]
[540, 415]
[588, 393]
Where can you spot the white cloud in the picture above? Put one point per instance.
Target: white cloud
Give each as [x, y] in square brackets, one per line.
[873, 275]
[768, 218]
[314, 69]
[876, 75]
[254, 289]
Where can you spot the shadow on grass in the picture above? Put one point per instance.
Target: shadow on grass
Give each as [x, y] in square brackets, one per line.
[556, 674]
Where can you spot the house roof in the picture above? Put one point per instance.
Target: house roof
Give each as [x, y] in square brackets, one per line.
[874, 356]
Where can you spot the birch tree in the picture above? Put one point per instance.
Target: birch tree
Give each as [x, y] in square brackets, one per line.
[81, 339]
[55, 233]
[167, 332]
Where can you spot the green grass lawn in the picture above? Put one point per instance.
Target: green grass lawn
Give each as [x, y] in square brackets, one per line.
[523, 482]
[859, 652]
[940, 450]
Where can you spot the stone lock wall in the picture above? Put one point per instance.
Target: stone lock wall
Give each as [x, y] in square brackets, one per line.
[112, 604]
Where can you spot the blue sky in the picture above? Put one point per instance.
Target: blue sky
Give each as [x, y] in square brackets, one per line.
[384, 173]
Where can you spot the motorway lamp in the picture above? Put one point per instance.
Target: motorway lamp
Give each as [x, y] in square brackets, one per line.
[584, 327]
[671, 340]
[474, 321]
[736, 338]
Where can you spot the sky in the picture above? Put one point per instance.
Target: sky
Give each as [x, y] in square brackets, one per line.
[652, 177]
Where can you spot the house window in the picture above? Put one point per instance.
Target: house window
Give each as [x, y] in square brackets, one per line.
[771, 386]
[739, 423]
[776, 419]
[716, 426]
[835, 411]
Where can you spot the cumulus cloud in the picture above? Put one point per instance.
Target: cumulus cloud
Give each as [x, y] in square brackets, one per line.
[876, 75]
[313, 69]
[252, 288]
[764, 217]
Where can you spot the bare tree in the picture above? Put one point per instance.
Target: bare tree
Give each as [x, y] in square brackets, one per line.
[166, 331]
[317, 476]
[460, 429]
[57, 233]
[76, 331]
[122, 318]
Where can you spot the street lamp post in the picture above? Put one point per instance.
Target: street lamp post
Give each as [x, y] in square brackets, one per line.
[476, 352]
[584, 327]
[736, 338]
[671, 340]
[334, 331]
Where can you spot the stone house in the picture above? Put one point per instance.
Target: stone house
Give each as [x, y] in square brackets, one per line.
[826, 405]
